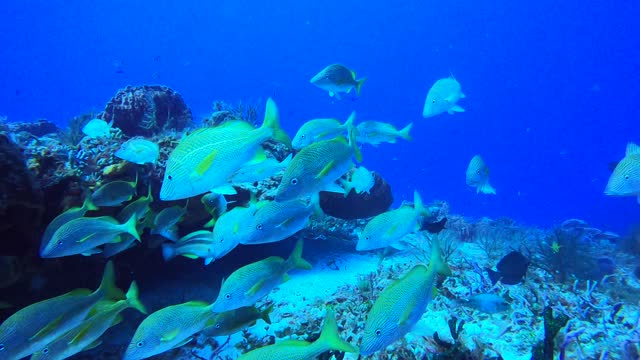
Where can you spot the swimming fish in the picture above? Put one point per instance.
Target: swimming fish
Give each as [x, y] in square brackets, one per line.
[230, 229]
[139, 151]
[317, 166]
[65, 217]
[388, 228]
[208, 157]
[303, 350]
[86, 336]
[96, 128]
[478, 176]
[85, 235]
[337, 79]
[114, 193]
[625, 179]
[443, 97]
[320, 129]
[169, 328]
[165, 222]
[32, 328]
[232, 321]
[361, 181]
[259, 171]
[198, 244]
[274, 221]
[375, 133]
[511, 269]
[248, 284]
[401, 305]
[140, 208]
[488, 303]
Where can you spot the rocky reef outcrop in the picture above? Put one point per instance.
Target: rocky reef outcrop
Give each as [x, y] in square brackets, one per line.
[358, 206]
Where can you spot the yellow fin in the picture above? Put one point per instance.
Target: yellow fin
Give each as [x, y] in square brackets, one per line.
[190, 256]
[254, 289]
[81, 334]
[391, 229]
[170, 336]
[85, 238]
[47, 329]
[405, 315]
[326, 170]
[205, 164]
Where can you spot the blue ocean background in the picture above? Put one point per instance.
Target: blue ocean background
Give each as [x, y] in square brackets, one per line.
[552, 87]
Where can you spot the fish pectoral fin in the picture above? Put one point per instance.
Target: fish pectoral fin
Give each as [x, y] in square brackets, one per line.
[255, 288]
[285, 277]
[91, 252]
[190, 256]
[391, 230]
[47, 329]
[80, 335]
[405, 315]
[455, 109]
[93, 345]
[85, 238]
[205, 164]
[170, 335]
[326, 169]
[183, 343]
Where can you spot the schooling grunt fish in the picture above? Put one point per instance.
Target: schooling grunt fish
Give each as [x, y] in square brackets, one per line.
[114, 193]
[140, 208]
[401, 305]
[96, 128]
[375, 133]
[303, 350]
[85, 235]
[388, 228]
[247, 285]
[317, 167]
[86, 336]
[443, 97]
[478, 176]
[337, 79]
[169, 328]
[165, 222]
[32, 328]
[232, 321]
[259, 171]
[320, 129]
[625, 179]
[65, 217]
[139, 151]
[198, 244]
[274, 221]
[208, 158]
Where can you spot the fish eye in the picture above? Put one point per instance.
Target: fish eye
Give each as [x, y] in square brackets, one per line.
[59, 242]
[626, 177]
[140, 344]
[1, 347]
[45, 350]
[477, 172]
[302, 136]
[294, 181]
[378, 332]
[218, 325]
[259, 226]
[433, 101]
[227, 296]
[170, 177]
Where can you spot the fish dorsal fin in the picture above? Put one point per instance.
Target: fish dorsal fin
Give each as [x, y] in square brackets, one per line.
[255, 288]
[326, 170]
[205, 164]
[47, 329]
[236, 125]
[632, 149]
[170, 335]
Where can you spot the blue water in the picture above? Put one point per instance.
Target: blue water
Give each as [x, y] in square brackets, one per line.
[551, 85]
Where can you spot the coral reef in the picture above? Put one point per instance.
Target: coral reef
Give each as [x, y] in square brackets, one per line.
[39, 127]
[147, 110]
[223, 111]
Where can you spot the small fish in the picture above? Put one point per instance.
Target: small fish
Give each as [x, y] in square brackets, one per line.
[259, 171]
[169, 328]
[230, 322]
[274, 221]
[402, 304]
[85, 235]
[139, 208]
[198, 244]
[251, 282]
[511, 269]
[215, 204]
[165, 222]
[375, 133]
[443, 97]
[303, 350]
[361, 181]
[388, 228]
[337, 79]
[208, 157]
[65, 217]
[478, 176]
[86, 336]
[488, 303]
[320, 129]
[96, 128]
[32, 328]
[625, 179]
[114, 193]
[317, 167]
[139, 151]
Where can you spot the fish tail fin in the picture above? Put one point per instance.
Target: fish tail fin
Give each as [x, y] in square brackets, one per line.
[88, 204]
[295, 260]
[359, 84]
[350, 121]
[108, 288]
[352, 133]
[264, 314]
[149, 193]
[486, 188]
[133, 300]
[418, 205]
[404, 133]
[131, 227]
[437, 263]
[330, 338]
[135, 184]
[168, 252]
[314, 202]
[494, 276]
[272, 121]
